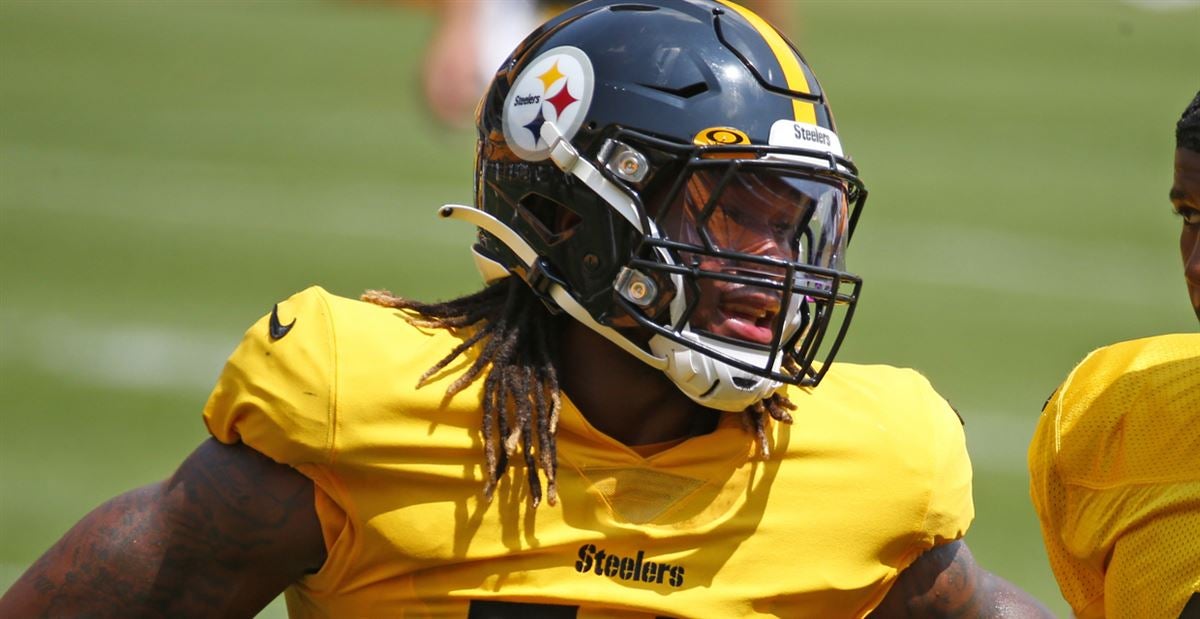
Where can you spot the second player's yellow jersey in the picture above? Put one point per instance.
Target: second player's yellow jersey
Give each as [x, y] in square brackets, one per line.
[1115, 478]
[872, 473]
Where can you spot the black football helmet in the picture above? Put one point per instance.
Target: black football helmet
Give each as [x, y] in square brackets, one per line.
[668, 173]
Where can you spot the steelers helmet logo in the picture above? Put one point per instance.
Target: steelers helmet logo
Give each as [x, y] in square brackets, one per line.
[720, 136]
[555, 87]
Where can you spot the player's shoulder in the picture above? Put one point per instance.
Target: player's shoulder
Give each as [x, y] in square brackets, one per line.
[317, 360]
[1126, 413]
[317, 333]
[1150, 368]
[874, 382]
[890, 424]
[900, 400]
[318, 303]
[365, 340]
[877, 374]
[344, 319]
[307, 314]
[1142, 353]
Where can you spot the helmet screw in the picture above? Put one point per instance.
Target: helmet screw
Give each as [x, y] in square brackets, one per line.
[591, 262]
[636, 287]
[622, 160]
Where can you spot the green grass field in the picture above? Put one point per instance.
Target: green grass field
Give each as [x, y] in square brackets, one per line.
[168, 171]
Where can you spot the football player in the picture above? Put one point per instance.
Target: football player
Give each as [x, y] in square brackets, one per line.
[637, 416]
[1115, 461]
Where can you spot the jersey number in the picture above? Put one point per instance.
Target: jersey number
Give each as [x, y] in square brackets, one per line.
[492, 609]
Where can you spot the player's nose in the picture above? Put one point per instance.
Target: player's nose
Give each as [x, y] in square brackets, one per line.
[760, 242]
[1191, 259]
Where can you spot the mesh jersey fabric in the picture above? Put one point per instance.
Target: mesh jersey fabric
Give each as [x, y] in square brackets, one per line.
[873, 473]
[1115, 479]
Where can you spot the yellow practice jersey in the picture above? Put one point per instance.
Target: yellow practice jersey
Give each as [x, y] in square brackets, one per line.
[1115, 478]
[873, 472]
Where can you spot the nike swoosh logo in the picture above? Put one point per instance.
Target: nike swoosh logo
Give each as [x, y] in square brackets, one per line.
[276, 329]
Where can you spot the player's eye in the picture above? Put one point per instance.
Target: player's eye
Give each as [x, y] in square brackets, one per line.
[1191, 216]
[735, 216]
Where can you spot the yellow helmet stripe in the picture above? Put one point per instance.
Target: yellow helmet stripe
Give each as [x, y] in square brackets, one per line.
[789, 62]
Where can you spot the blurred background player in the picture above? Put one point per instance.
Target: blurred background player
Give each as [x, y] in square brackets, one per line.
[1115, 460]
[472, 38]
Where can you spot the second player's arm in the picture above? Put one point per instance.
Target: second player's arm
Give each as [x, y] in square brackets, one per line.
[222, 537]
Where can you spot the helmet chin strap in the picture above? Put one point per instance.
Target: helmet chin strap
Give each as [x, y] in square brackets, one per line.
[709, 382]
[561, 297]
[568, 160]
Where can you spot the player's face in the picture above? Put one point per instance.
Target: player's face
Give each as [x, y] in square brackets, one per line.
[778, 218]
[1185, 197]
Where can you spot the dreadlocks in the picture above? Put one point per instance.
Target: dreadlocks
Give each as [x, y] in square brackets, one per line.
[521, 396]
[1187, 130]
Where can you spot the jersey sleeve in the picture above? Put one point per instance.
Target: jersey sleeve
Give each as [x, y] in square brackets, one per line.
[276, 392]
[1082, 584]
[951, 507]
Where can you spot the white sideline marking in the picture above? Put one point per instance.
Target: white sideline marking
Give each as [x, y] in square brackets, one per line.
[1021, 264]
[1162, 6]
[129, 356]
[365, 209]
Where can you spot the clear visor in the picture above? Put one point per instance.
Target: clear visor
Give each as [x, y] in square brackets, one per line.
[761, 245]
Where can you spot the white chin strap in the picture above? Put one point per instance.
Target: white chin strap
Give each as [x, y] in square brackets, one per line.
[709, 382]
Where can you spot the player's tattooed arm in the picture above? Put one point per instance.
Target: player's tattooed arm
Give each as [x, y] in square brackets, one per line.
[220, 538]
[946, 582]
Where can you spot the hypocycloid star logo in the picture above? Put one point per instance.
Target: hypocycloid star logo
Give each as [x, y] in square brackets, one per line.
[555, 87]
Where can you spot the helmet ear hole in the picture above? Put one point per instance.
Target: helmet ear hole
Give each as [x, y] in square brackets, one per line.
[550, 219]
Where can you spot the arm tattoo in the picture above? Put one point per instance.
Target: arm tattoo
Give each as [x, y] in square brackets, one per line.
[222, 537]
[945, 582]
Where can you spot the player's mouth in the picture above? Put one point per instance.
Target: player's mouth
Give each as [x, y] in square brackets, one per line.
[748, 314]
